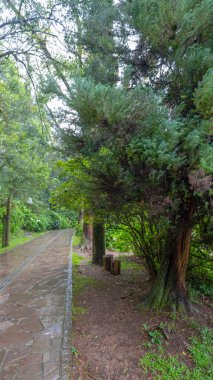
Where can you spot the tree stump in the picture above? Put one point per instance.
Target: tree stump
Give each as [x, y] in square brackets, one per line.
[116, 267]
[107, 262]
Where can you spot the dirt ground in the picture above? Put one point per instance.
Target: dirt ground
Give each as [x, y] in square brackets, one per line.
[110, 337]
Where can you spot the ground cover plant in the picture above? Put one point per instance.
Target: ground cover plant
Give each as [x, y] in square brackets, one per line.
[163, 366]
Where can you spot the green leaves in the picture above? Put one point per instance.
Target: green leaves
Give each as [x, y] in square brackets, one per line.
[204, 95]
[22, 144]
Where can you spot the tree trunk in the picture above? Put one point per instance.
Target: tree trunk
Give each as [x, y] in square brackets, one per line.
[80, 216]
[87, 236]
[169, 289]
[6, 225]
[98, 243]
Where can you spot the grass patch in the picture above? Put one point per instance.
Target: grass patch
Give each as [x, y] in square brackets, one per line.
[80, 283]
[76, 259]
[127, 263]
[76, 240]
[165, 367]
[19, 239]
[78, 310]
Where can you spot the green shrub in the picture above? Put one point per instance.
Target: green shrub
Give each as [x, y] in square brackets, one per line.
[36, 223]
[57, 221]
[118, 239]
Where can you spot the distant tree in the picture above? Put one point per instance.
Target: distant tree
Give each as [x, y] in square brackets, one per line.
[22, 144]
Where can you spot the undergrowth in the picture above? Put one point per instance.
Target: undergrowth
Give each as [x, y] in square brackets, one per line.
[165, 367]
[126, 263]
[76, 240]
[80, 283]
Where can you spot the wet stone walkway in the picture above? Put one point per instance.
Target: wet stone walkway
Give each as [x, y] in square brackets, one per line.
[33, 283]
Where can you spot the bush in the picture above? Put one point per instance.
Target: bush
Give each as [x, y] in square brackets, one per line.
[36, 223]
[57, 221]
[200, 274]
[118, 239]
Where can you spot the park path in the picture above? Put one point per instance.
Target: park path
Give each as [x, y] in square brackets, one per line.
[33, 291]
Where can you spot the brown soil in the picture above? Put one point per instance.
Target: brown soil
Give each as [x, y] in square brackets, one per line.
[109, 339]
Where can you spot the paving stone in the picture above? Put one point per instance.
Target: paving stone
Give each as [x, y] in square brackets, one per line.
[41, 346]
[15, 355]
[14, 336]
[46, 357]
[30, 343]
[10, 371]
[8, 310]
[5, 325]
[51, 368]
[52, 376]
[55, 352]
[25, 312]
[53, 331]
[30, 371]
[2, 356]
[32, 326]
[3, 298]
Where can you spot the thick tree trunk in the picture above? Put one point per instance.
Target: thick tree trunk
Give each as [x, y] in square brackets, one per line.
[170, 287]
[6, 224]
[87, 235]
[98, 243]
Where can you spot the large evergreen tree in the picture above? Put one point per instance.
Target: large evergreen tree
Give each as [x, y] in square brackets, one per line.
[145, 129]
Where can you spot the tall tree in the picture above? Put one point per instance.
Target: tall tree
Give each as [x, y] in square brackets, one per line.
[22, 143]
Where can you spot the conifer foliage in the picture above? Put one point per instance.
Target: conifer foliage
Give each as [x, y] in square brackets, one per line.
[136, 84]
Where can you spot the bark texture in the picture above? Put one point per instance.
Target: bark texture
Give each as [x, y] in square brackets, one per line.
[98, 243]
[87, 235]
[6, 224]
[170, 285]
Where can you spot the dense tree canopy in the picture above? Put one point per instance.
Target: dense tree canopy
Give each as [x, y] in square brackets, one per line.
[135, 85]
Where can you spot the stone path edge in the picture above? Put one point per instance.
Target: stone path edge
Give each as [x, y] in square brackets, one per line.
[26, 262]
[65, 353]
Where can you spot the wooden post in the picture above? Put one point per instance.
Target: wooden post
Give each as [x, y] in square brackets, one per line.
[107, 262]
[116, 267]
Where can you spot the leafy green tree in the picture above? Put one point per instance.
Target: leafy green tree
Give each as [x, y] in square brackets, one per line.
[23, 172]
[147, 138]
